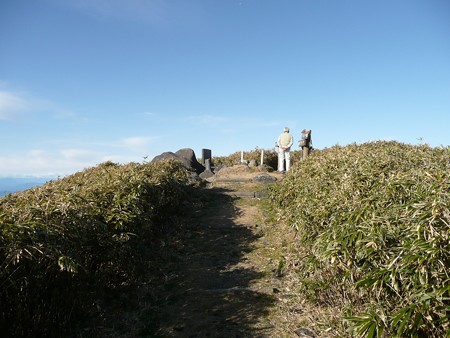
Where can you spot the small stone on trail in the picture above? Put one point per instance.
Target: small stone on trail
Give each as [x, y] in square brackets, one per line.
[305, 333]
[264, 178]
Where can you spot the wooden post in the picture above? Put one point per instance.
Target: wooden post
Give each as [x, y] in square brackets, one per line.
[262, 156]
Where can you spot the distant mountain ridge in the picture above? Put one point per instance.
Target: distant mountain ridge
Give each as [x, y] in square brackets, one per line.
[10, 185]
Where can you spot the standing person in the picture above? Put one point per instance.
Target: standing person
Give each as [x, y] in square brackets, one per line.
[284, 142]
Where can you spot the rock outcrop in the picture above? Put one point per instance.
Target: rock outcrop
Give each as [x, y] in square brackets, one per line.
[185, 156]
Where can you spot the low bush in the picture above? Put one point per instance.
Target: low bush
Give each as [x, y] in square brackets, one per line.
[65, 241]
[373, 224]
[270, 158]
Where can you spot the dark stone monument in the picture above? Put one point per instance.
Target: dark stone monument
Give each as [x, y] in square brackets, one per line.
[207, 173]
[206, 155]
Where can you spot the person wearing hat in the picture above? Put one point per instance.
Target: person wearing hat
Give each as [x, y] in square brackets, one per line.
[284, 142]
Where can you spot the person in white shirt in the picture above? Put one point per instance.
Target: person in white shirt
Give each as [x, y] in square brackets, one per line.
[284, 142]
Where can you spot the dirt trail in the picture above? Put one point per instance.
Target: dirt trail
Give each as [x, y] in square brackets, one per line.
[225, 283]
[215, 294]
[222, 276]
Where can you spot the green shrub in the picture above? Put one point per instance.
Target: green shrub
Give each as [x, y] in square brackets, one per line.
[62, 242]
[373, 223]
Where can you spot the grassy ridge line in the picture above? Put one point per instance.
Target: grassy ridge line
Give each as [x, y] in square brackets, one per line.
[373, 225]
[62, 242]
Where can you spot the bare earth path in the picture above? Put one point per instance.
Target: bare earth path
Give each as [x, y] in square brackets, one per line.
[220, 278]
[215, 292]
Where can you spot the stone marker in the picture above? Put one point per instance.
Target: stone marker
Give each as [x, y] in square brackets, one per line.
[206, 155]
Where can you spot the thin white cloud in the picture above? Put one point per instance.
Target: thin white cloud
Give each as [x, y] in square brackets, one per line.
[70, 159]
[36, 162]
[14, 107]
[39, 157]
[40, 162]
[10, 105]
[80, 155]
[208, 119]
[62, 114]
[138, 143]
[228, 130]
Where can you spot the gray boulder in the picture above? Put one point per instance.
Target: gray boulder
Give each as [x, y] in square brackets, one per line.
[252, 164]
[264, 178]
[185, 156]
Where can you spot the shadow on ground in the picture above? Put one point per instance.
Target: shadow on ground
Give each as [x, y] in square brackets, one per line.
[207, 287]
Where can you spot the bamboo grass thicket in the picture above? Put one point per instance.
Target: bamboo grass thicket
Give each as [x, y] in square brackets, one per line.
[373, 222]
[66, 241]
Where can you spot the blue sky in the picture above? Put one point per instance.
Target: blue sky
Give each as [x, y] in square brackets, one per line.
[85, 81]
